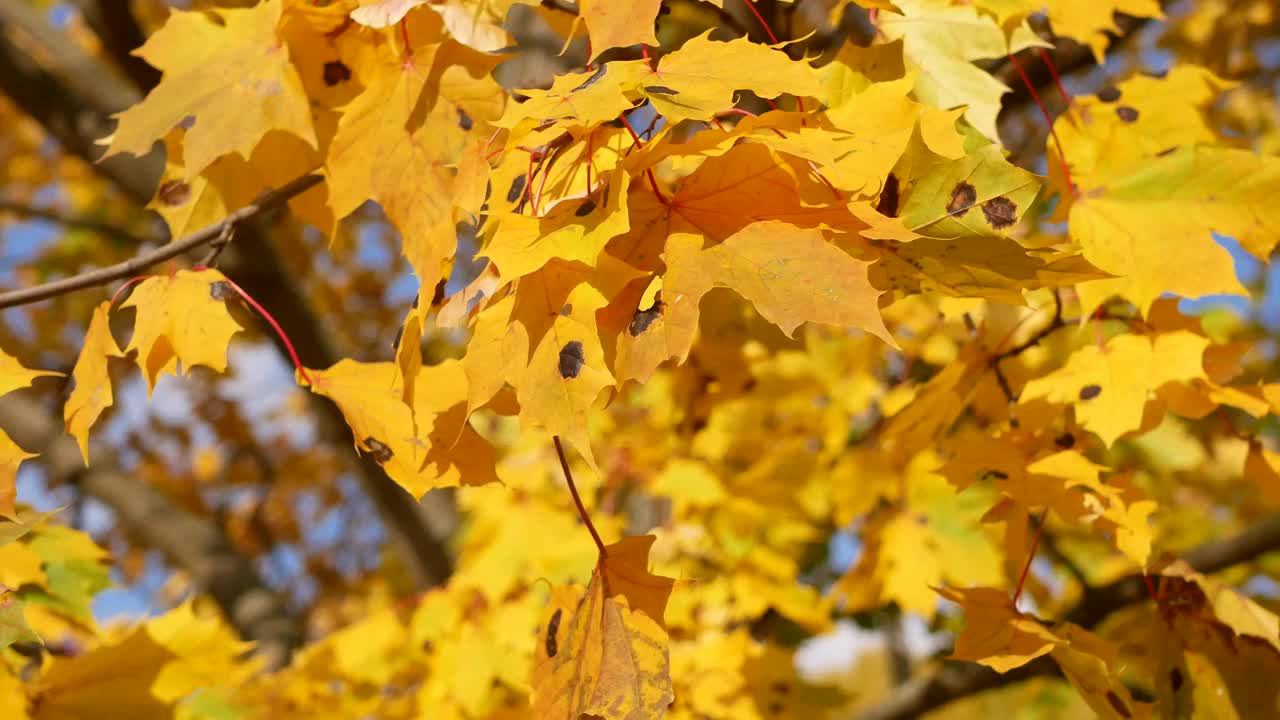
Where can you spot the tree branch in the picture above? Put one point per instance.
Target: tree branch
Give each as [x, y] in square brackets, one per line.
[133, 266]
[75, 222]
[190, 541]
[960, 680]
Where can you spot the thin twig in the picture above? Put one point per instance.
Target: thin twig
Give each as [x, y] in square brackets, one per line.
[1041, 334]
[268, 201]
[75, 222]
[217, 246]
[577, 499]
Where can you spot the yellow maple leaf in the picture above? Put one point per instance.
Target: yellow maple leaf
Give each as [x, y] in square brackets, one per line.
[13, 376]
[181, 317]
[1109, 386]
[206, 651]
[116, 675]
[943, 40]
[998, 636]
[232, 76]
[398, 149]
[382, 13]
[792, 275]
[1205, 661]
[699, 79]
[92, 392]
[599, 655]
[1090, 22]
[613, 24]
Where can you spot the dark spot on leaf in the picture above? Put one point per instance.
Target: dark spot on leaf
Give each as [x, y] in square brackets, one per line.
[571, 360]
[516, 189]
[1066, 441]
[464, 120]
[553, 627]
[1109, 94]
[174, 193]
[1089, 392]
[1127, 113]
[566, 309]
[1000, 212]
[585, 208]
[1013, 423]
[642, 319]
[698, 424]
[221, 290]
[335, 72]
[775, 708]
[963, 195]
[378, 450]
[1175, 679]
[999, 474]
[781, 687]
[595, 77]
[660, 90]
[1167, 151]
[1118, 704]
[887, 205]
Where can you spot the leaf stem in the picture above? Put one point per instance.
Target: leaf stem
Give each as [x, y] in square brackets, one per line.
[1053, 71]
[773, 39]
[293, 354]
[648, 172]
[1031, 555]
[1035, 95]
[577, 499]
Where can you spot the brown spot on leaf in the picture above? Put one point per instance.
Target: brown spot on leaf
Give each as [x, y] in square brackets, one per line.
[1089, 392]
[464, 120]
[221, 290]
[571, 359]
[887, 205]
[781, 687]
[335, 72]
[378, 450]
[642, 319]
[516, 189]
[660, 90]
[1000, 212]
[1175, 679]
[585, 208]
[1109, 94]
[963, 196]
[1167, 151]
[174, 193]
[1118, 704]
[1127, 113]
[553, 627]
[1066, 441]
[998, 474]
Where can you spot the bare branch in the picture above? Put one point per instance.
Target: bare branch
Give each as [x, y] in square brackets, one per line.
[75, 222]
[960, 680]
[132, 266]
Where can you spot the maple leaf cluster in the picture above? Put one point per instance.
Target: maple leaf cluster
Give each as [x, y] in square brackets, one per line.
[733, 298]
